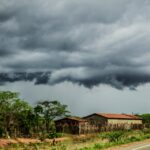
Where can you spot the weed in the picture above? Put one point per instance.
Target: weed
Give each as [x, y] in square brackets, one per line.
[113, 136]
[98, 146]
[134, 139]
[147, 136]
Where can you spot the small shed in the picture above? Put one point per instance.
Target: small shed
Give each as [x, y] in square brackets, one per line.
[72, 125]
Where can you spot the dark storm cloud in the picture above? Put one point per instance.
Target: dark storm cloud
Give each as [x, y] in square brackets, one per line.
[36, 77]
[4, 52]
[85, 42]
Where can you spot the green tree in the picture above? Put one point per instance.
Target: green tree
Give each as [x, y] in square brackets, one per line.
[18, 118]
[51, 110]
[6, 100]
[146, 119]
[38, 110]
[23, 117]
[12, 111]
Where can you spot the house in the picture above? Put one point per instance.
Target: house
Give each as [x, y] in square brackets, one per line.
[72, 125]
[107, 121]
[98, 122]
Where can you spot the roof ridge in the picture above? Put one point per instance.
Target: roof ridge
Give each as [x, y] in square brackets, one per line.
[115, 115]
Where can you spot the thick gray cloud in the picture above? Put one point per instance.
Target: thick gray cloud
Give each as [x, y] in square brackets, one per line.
[84, 42]
[37, 77]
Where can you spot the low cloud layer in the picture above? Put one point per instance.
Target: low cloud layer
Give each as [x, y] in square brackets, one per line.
[84, 42]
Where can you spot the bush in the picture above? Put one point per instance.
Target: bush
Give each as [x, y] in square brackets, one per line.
[98, 146]
[113, 136]
[55, 135]
[134, 139]
[147, 136]
[43, 135]
[146, 131]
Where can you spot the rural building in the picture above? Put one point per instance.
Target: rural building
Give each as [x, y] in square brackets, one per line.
[114, 121]
[98, 122]
[73, 125]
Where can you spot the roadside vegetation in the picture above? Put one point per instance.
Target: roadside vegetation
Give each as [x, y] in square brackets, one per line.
[99, 141]
[116, 138]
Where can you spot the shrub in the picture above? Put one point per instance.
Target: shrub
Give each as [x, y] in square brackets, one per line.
[147, 136]
[134, 139]
[98, 146]
[146, 131]
[55, 135]
[43, 135]
[113, 136]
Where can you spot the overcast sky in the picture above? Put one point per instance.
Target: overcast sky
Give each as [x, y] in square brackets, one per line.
[92, 55]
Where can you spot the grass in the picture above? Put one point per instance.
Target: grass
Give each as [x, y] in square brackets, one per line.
[93, 142]
[118, 138]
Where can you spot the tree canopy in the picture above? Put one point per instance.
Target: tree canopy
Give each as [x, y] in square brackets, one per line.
[19, 118]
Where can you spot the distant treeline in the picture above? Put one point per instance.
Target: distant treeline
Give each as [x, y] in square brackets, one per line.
[19, 119]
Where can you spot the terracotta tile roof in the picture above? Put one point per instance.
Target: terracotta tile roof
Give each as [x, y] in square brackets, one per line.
[118, 116]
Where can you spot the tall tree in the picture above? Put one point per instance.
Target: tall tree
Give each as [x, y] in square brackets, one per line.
[12, 111]
[23, 117]
[50, 110]
[6, 100]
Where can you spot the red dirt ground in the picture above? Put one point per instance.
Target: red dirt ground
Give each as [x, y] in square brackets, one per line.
[6, 142]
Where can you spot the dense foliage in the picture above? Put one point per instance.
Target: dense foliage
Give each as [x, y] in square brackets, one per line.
[18, 118]
[146, 119]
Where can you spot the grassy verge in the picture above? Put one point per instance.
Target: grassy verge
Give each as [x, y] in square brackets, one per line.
[118, 138]
[97, 142]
